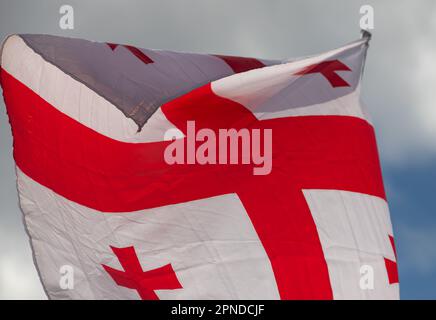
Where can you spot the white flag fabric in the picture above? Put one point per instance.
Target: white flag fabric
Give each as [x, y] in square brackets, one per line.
[299, 213]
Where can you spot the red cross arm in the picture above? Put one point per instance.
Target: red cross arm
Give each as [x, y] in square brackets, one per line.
[391, 266]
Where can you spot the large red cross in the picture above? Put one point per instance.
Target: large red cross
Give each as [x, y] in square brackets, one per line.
[134, 277]
[309, 152]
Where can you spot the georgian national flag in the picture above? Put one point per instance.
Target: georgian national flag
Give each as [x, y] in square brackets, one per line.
[88, 121]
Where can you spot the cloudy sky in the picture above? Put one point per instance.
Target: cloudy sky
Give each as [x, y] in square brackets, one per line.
[398, 89]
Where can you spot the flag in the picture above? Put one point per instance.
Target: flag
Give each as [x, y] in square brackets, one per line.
[150, 174]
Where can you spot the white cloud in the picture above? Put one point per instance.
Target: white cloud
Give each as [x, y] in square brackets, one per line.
[18, 279]
[425, 89]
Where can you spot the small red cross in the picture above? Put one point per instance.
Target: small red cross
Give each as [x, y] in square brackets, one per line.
[145, 282]
[328, 69]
